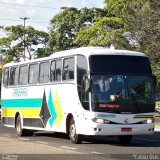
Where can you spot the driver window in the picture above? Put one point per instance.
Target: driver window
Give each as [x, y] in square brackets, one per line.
[81, 72]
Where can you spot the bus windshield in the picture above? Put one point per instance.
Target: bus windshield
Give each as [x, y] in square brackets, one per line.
[126, 90]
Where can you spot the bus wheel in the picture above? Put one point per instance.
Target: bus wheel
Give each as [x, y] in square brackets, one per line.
[20, 131]
[19, 126]
[75, 138]
[125, 139]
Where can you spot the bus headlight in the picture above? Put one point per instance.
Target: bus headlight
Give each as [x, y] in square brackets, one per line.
[99, 120]
[148, 121]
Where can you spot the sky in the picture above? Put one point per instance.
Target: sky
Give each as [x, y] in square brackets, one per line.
[40, 12]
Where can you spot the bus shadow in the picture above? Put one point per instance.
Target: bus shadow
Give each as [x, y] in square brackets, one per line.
[51, 134]
[137, 141]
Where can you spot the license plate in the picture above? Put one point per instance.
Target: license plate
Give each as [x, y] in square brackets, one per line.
[126, 129]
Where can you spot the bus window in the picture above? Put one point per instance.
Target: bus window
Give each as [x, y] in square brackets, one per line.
[33, 73]
[5, 77]
[53, 71]
[23, 75]
[68, 69]
[14, 73]
[81, 72]
[44, 72]
[58, 70]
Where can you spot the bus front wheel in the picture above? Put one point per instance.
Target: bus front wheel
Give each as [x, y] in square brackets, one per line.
[74, 137]
[20, 131]
[125, 139]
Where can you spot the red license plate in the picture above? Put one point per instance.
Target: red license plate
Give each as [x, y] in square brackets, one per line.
[126, 129]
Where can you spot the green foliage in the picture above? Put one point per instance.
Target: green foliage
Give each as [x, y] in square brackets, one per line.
[104, 32]
[115, 8]
[43, 52]
[12, 45]
[66, 24]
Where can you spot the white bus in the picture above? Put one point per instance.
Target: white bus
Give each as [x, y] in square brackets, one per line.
[87, 91]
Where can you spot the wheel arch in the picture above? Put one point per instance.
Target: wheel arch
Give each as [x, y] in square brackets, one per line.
[18, 113]
[68, 119]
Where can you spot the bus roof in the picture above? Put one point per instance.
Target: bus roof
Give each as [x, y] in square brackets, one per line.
[86, 51]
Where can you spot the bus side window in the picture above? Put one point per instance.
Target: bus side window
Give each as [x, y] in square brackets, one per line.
[14, 73]
[44, 72]
[58, 70]
[81, 72]
[68, 68]
[23, 75]
[33, 73]
[53, 71]
[5, 77]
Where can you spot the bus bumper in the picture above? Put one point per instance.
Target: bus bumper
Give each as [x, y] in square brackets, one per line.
[118, 129]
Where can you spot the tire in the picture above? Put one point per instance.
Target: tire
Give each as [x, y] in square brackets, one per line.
[75, 138]
[125, 139]
[20, 131]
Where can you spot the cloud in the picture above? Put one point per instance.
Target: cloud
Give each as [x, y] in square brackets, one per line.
[21, 1]
[7, 1]
[39, 16]
[31, 12]
[78, 3]
[41, 1]
[84, 2]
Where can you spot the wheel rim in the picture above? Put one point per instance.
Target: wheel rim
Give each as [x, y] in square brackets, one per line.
[72, 131]
[18, 126]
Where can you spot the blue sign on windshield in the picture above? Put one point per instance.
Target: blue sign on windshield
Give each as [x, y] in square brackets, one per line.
[120, 78]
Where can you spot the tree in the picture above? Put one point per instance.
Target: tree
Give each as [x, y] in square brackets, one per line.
[105, 31]
[43, 52]
[66, 24]
[12, 45]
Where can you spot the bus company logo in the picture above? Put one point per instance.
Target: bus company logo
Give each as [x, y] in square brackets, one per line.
[19, 92]
[106, 115]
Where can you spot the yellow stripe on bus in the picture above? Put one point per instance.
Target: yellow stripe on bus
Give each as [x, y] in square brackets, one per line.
[26, 112]
[58, 110]
[143, 117]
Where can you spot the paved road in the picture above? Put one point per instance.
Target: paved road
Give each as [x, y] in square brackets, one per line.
[43, 145]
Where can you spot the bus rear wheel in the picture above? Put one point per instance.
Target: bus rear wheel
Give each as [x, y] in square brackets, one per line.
[20, 131]
[74, 137]
[125, 139]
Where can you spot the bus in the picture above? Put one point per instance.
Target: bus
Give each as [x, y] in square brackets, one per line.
[61, 93]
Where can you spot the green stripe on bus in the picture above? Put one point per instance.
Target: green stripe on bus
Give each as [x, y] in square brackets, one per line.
[22, 103]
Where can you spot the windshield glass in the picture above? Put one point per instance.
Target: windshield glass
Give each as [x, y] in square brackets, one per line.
[121, 84]
[119, 65]
[122, 94]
